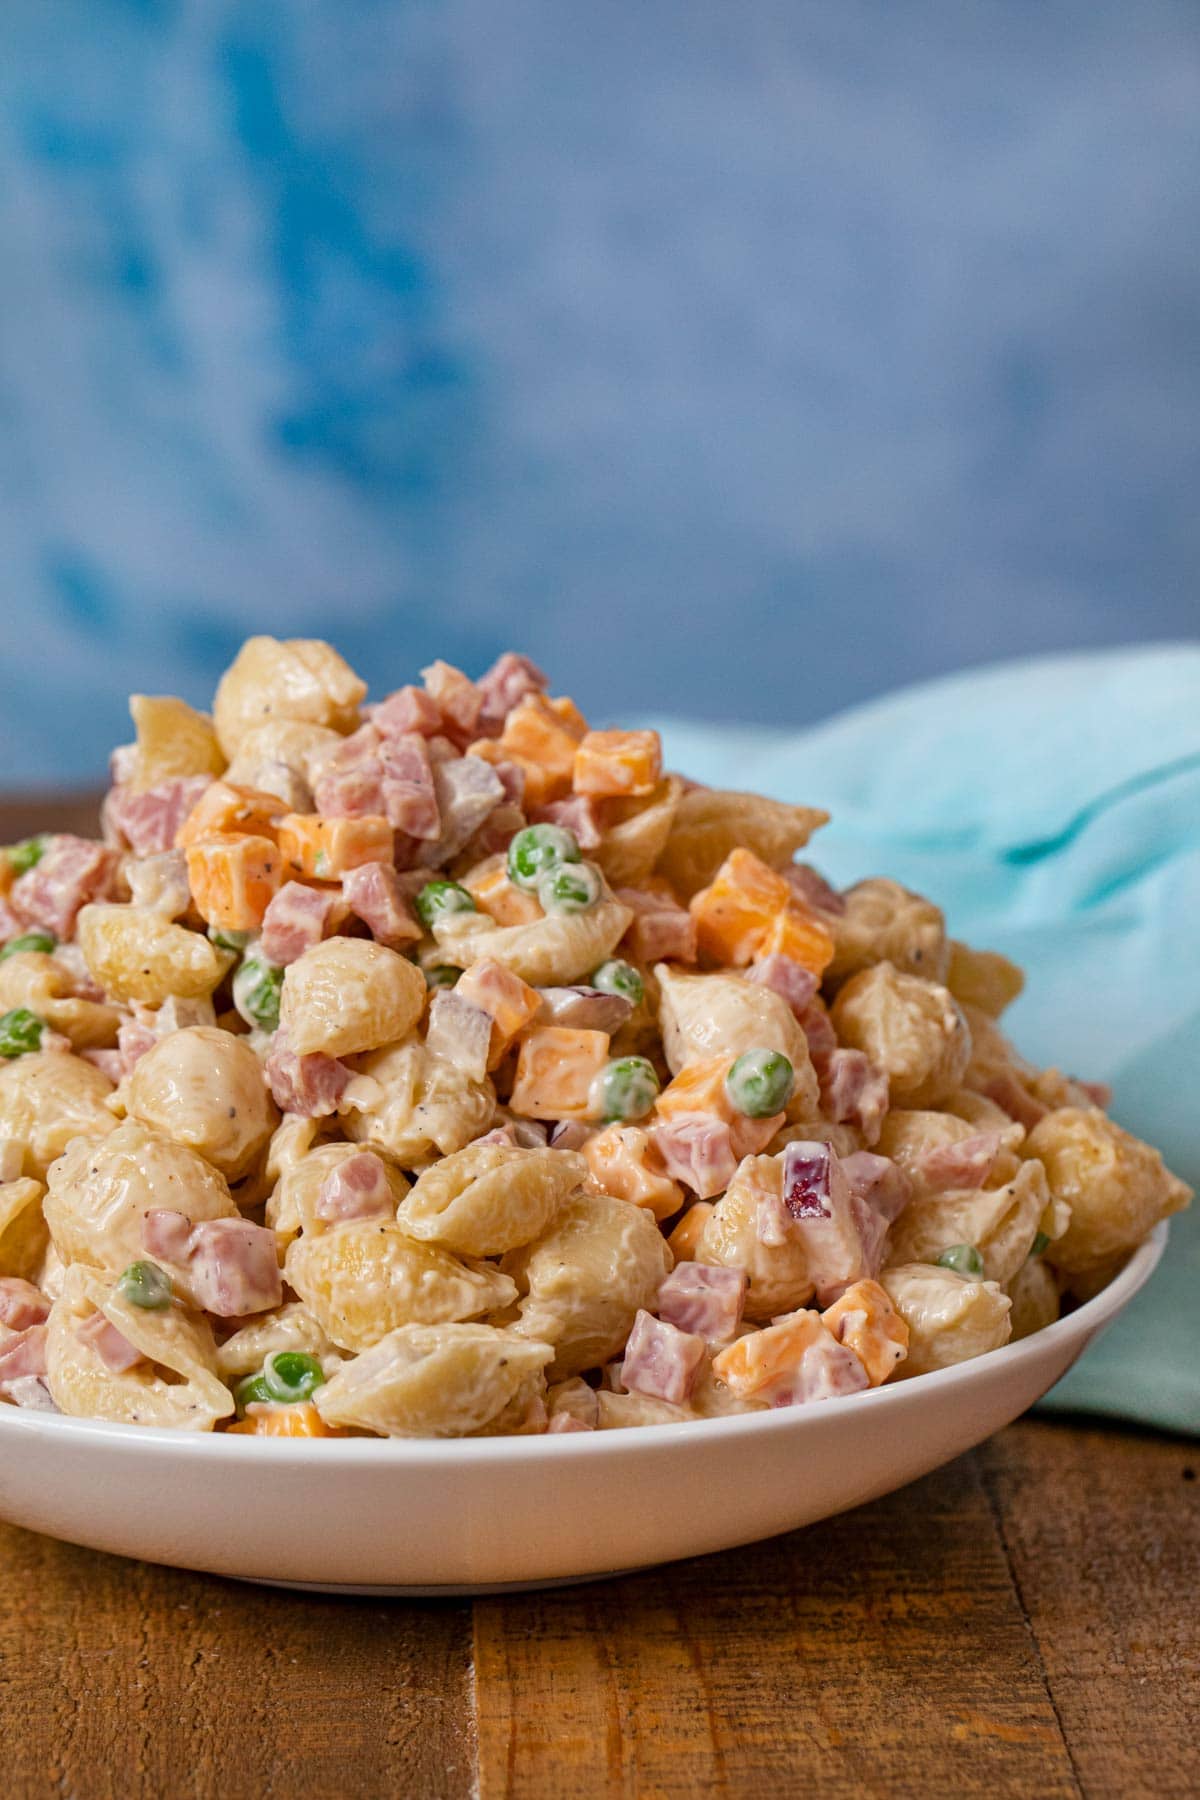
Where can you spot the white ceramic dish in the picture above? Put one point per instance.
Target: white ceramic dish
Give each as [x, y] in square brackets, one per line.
[409, 1516]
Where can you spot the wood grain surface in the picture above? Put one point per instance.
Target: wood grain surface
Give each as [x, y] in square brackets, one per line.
[1021, 1623]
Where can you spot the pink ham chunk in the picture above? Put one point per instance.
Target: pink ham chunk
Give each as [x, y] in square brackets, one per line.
[408, 709]
[662, 930]
[460, 1032]
[296, 920]
[812, 890]
[853, 1091]
[21, 1304]
[29, 1391]
[233, 1268]
[826, 1370]
[407, 786]
[878, 1181]
[133, 1040]
[966, 1164]
[703, 1300]
[511, 679]
[697, 1150]
[660, 1360]
[109, 1062]
[374, 894]
[843, 1237]
[468, 792]
[818, 1029]
[71, 872]
[458, 700]
[578, 815]
[10, 925]
[512, 780]
[166, 1235]
[23, 1354]
[357, 1189]
[787, 978]
[112, 1346]
[148, 822]
[347, 781]
[311, 1085]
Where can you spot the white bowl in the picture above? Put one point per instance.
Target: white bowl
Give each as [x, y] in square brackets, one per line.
[419, 1516]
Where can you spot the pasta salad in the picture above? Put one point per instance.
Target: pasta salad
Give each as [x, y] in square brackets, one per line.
[443, 1067]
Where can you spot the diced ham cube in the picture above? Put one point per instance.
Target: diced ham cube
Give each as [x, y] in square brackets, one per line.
[460, 1032]
[827, 1370]
[787, 978]
[311, 1085]
[458, 699]
[468, 791]
[818, 1029]
[10, 925]
[512, 780]
[166, 1235]
[812, 889]
[509, 680]
[842, 1236]
[660, 1360]
[879, 1181]
[296, 920]
[578, 814]
[133, 1040]
[706, 1301]
[697, 1150]
[29, 1391]
[409, 797]
[662, 930]
[588, 1008]
[148, 822]
[112, 1346]
[356, 1189]
[374, 894]
[854, 1091]
[109, 1062]
[565, 1421]
[965, 1164]
[23, 1354]
[347, 781]
[21, 1304]
[234, 1269]
[408, 709]
[71, 872]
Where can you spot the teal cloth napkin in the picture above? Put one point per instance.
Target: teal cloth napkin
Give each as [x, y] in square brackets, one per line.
[1052, 807]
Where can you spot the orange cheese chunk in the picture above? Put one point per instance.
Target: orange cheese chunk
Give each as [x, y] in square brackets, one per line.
[684, 1241]
[699, 1087]
[234, 878]
[510, 1002]
[534, 734]
[759, 1359]
[618, 765]
[800, 935]
[734, 912]
[625, 1163]
[570, 715]
[298, 1420]
[225, 807]
[555, 1070]
[327, 848]
[493, 893]
[865, 1319]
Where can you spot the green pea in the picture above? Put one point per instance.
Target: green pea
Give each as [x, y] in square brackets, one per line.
[228, 940]
[1040, 1245]
[760, 1083]
[27, 854]
[625, 1089]
[442, 975]
[439, 899]
[617, 977]
[20, 1031]
[538, 848]
[257, 987]
[570, 888]
[32, 940]
[252, 1390]
[964, 1259]
[144, 1284]
[291, 1375]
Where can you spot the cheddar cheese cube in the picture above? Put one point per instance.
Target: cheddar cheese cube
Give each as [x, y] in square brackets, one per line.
[326, 849]
[734, 912]
[865, 1319]
[684, 1241]
[625, 1163]
[570, 715]
[225, 807]
[699, 1087]
[534, 734]
[556, 1067]
[234, 877]
[493, 893]
[301, 1419]
[801, 936]
[509, 1002]
[618, 765]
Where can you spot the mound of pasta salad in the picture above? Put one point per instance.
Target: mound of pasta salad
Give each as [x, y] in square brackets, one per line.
[442, 1066]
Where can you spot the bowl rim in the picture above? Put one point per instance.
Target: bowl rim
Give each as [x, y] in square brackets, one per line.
[450, 1453]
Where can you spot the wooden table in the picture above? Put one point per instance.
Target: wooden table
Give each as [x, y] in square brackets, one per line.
[1022, 1623]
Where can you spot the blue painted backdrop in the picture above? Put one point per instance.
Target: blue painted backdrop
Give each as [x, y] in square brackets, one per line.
[739, 359]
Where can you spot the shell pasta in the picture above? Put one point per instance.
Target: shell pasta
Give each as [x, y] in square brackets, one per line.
[438, 1065]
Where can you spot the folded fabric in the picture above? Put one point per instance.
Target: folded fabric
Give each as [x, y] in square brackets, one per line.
[1052, 808]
